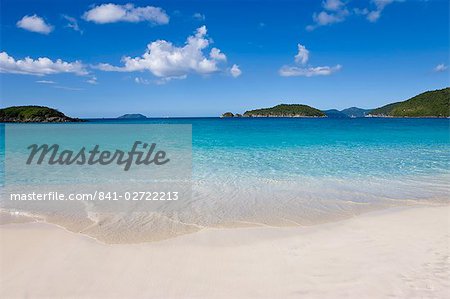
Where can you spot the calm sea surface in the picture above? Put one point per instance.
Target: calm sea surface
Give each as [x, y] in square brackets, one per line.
[293, 171]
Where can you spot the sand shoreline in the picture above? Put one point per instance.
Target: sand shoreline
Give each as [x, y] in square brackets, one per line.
[145, 228]
[401, 252]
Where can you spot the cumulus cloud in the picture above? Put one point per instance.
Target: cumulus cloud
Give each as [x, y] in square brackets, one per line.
[217, 54]
[336, 11]
[34, 23]
[165, 60]
[40, 66]
[440, 68]
[112, 13]
[72, 23]
[302, 55]
[235, 71]
[301, 59]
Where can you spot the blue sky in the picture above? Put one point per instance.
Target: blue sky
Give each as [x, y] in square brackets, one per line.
[353, 53]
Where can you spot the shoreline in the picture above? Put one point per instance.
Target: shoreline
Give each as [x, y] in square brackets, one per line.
[84, 228]
[404, 249]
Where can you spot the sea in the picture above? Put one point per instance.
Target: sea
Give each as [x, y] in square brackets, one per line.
[278, 172]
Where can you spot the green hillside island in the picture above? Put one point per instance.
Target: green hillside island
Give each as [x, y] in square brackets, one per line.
[352, 112]
[227, 114]
[434, 103]
[355, 112]
[34, 114]
[286, 110]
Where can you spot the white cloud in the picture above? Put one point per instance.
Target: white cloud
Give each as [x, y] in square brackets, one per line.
[112, 13]
[440, 68]
[198, 16]
[303, 55]
[45, 82]
[40, 66]
[291, 71]
[165, 60]
[301, 59]
[72, 23]
[106, 67]
[165, 80]
[217, 54]
[325, 18]
[380, 5]
[34, 23]
[336, 11]
[92, 80]
[235, 71]
[140, 80]
[333, 5]
[68, 88]
[374, 15]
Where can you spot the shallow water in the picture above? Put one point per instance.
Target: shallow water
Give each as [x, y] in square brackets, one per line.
[287, 171]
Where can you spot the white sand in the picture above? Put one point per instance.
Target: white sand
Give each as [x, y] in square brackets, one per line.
[400, 253]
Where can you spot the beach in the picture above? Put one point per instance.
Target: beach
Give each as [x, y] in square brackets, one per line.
[399, 252]
[150, 150]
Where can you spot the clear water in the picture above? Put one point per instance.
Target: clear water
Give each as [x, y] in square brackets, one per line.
[293, 171]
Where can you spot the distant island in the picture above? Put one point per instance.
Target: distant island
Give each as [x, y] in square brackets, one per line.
[28, 114]
[334, 113]
[227, 114]
[434, 103]
[286, 110]
[352, 112]
[132, 116]
[230, 114]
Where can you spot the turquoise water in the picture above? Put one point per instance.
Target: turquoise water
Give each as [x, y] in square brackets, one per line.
[293, 171]
[280, 148]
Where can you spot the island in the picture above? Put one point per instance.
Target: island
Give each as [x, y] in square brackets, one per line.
[352, 112]
[434, 103]
[286, 110]
[227, 114]
[334, 113]
[38, 114]
[132, 116]
[355, 112]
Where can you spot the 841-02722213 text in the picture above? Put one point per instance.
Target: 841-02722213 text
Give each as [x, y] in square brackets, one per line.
[98, 196]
